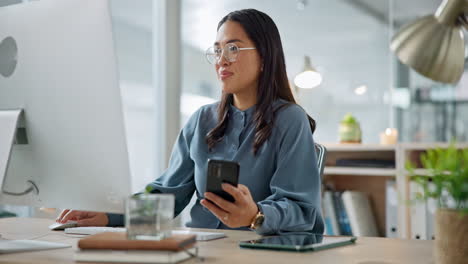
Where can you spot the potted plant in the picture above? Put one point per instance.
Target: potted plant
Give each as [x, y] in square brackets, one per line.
[349, 130]
[445, 178]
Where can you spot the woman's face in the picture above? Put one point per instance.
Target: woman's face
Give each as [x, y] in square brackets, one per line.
[241, 75]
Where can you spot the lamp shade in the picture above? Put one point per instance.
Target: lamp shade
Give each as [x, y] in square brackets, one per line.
[434, 45]
[309, 77]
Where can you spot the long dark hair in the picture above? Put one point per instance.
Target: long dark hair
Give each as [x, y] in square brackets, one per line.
[273, 82]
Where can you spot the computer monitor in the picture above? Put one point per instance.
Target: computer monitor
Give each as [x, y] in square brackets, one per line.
[59, 66]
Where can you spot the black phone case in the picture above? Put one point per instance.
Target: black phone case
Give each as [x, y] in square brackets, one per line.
[221, 171]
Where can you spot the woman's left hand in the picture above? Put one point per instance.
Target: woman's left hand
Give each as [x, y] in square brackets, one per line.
[240, 213]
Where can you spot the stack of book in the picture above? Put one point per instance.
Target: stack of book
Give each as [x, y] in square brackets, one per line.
[115, 247]
[348, 213]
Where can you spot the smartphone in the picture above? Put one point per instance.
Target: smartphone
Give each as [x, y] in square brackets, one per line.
[298, 242]
[219, 172]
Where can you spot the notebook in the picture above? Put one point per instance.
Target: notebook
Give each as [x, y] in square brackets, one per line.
[133, 256]
[92, 230]
[119, 241]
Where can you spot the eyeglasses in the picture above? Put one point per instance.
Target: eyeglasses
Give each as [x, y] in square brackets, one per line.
[230, 51]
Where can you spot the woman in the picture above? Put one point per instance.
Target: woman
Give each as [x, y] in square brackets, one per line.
[257, 124]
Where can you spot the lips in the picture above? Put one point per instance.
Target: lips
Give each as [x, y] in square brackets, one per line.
[223, 75]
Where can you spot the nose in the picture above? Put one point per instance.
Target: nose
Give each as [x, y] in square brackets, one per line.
[223, 61]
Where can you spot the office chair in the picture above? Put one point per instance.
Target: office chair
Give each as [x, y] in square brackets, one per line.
[321, 157]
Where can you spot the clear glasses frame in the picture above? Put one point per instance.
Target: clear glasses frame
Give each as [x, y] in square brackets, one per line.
[230, 52]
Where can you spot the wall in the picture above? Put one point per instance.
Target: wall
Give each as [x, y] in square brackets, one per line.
[349, 48]
[134, 48]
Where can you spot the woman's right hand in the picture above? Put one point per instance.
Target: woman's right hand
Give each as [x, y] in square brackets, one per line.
[83, 218]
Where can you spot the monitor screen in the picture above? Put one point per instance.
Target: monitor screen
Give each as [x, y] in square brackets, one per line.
[59, 67]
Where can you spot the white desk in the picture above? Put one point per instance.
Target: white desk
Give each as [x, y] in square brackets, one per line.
[226, 250]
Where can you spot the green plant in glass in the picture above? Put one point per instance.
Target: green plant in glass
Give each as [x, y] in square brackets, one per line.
[149, 215]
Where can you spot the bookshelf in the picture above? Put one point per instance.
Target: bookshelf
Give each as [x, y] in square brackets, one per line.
[372, 181]
[358, 171]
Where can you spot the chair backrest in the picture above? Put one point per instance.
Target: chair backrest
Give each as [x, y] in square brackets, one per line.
[321, 157]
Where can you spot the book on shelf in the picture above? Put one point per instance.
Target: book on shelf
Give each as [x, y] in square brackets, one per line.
[418, 213]
[422, 214]
[342, 216]
[348, 213]
[360, 215]
[431, 207]
[133, 256]
[330, 217]
[391, 209]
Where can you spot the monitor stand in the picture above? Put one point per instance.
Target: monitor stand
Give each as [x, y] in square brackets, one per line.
[12, 133]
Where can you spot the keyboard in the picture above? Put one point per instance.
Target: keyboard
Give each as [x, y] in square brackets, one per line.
[91, 230]
[201, 236]
[13, 246]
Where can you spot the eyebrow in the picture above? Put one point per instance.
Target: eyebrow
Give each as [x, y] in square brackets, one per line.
[229, 41]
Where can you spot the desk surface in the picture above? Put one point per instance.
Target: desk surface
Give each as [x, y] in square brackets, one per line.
[365, 251]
